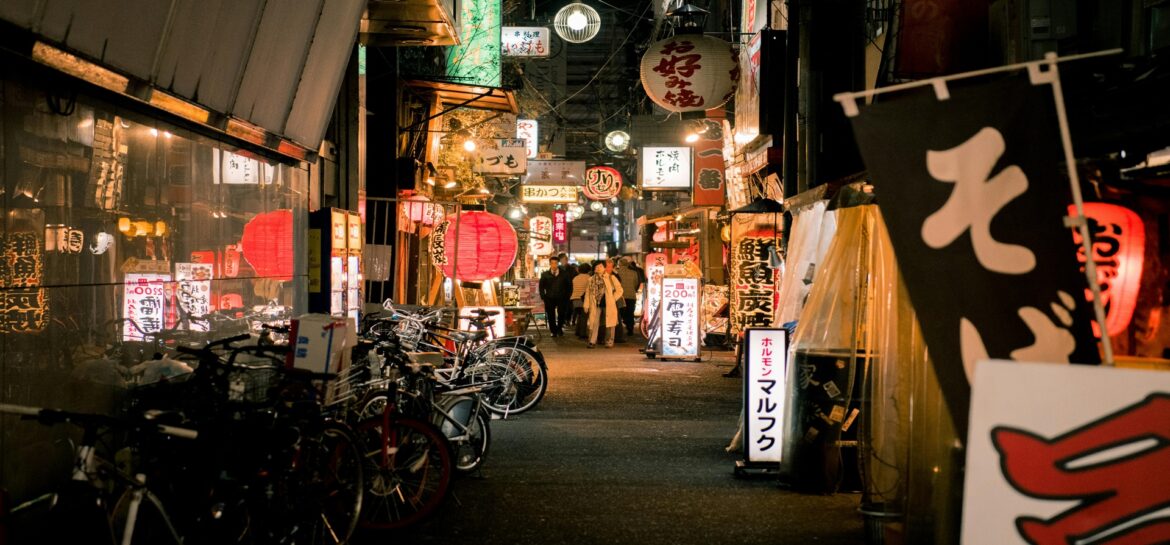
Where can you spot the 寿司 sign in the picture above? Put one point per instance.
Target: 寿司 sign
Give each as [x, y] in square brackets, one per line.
[548, 193]
[1060, 453]
[765, 369]
[524, 41]
[680, 317]
[144, 305]
[665, 168]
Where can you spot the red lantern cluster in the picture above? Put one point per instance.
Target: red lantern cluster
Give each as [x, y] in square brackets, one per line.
[268, 244]
[478, 246]
[690, 72]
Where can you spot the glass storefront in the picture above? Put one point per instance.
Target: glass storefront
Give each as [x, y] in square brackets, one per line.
[120, 233]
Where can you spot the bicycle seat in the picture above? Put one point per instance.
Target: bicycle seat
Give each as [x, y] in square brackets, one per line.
[469, 336]
[481, 313]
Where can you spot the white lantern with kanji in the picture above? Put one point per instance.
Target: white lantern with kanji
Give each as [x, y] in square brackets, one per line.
[690, 72]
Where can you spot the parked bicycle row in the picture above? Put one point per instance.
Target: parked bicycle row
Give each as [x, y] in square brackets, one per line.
[224, 443]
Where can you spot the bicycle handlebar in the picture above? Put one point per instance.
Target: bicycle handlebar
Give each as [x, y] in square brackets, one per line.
[56, 416]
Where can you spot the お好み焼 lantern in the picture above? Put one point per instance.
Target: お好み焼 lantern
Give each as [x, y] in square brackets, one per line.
[1119, 240]
[268, 244]
[478, 246]
[690, 72]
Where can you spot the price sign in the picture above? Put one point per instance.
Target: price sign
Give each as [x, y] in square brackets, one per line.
[680, 317]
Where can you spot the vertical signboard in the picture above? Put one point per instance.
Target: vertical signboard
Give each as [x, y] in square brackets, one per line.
[560, 227]
[765, 369]
[476, 60]
[195, 290]
[753, 280]
[540, 230]
[709, 180]
[24, 304]
[655, 270]
[680, 318]
[529, 131]
[144, 304]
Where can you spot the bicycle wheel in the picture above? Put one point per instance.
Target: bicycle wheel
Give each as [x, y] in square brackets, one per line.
[468, 429]
[334, 464]
[514, 380]
[408, 467]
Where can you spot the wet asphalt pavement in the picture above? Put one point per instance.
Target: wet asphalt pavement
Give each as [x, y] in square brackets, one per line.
[626, 449]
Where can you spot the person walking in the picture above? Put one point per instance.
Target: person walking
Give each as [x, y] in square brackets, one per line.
[552, 291]
[577, 299]
[601, 305]
[568, 272]
[631, 282]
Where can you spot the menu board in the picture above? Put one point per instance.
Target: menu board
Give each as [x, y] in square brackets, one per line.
[144, 303]
[195, 290]
[680, 317]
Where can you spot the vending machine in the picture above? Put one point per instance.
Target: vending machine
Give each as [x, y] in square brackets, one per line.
[334, 260]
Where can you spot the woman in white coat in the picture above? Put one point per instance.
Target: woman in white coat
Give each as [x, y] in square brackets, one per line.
[601, 297]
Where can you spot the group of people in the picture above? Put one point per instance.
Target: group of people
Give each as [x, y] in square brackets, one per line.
[597, 298]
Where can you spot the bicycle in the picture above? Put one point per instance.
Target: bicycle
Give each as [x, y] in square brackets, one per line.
[78, 513]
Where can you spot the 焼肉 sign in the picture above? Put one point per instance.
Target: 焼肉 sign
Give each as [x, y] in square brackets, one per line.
[665, 168]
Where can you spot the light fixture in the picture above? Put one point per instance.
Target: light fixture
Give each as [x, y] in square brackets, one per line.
[485, 191]
[469, 145]
[577, 23]
[688, 18]
[450, 184]
[154, 132]
[515, 214]
[430, 180]
[692, 138]
[678, 217]
[596, 206]
[617, 141]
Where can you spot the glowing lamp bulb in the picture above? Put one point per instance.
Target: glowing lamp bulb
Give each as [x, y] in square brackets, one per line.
[469, 145]
[619, 140]
[515, 214]
[692, 138]
[577, 21]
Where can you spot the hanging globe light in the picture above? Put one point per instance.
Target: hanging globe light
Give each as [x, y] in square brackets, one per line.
[617, 141]
[577, 23]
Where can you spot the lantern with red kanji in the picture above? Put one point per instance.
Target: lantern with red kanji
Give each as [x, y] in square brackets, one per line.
[478, 246]
[420, 209]
[690, 72]
[1119, 240]
[602, 183]
[268, 244]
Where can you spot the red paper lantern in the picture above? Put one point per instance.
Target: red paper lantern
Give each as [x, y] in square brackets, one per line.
[478, 246]
[268, 244]
[690, 72]
[602, 183]
[1119, 242]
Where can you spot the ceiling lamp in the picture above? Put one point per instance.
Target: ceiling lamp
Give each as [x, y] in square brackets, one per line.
[577, 23]
[617, 141]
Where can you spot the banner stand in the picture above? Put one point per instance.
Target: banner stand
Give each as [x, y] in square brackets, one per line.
[765, 393]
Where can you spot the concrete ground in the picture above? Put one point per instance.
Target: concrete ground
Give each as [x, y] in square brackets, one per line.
[626, 449]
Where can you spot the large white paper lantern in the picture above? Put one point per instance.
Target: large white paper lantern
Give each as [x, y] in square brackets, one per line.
[690, 72]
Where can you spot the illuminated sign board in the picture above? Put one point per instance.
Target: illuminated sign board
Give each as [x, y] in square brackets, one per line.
[529, 131]
[665, 168]
[524, 41]
[765, 371]
[555, 172]
[548, 193]
[680, 318]
[476, 60]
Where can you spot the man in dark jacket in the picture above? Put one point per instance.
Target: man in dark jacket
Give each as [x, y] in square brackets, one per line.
[568, 271]
[552, 292]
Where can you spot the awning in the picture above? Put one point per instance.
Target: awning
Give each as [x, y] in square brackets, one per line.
[409, 22]
[467, 96]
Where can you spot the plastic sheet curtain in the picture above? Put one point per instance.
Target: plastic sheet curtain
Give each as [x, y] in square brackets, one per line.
[858, 337]
[812, 230]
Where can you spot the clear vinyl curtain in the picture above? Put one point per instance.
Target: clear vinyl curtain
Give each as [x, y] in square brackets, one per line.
[858, 322]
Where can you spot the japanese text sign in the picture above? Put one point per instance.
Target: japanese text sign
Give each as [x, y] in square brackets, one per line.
[24, 304]
[232, 168]
[689, 73]
[524, 41]
[975, 198]
[540, 230]
[753, 281]
[506, 156]
[665, 168]
[548, 193]
[655, 270]
[529, 131]
[680, 317]
[709, 175]
[194, 282]
[546, 171]
[560, 227]
[1119, 240]
[765, 371]
[602, 183]
[1066, 454]
[144, 304]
